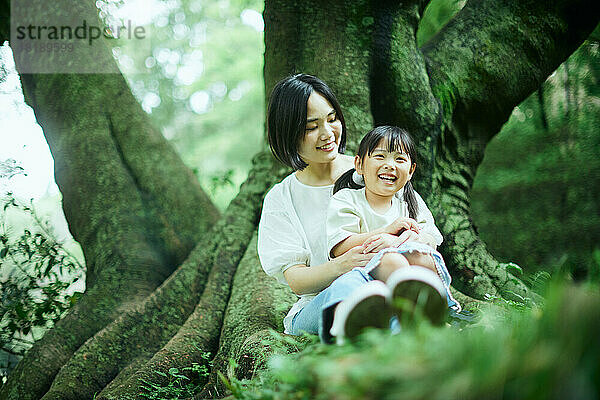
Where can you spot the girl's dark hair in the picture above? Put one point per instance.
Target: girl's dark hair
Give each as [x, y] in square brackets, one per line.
[286, 116]
[396, 139]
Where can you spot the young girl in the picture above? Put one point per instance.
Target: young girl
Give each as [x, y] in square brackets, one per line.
[375, 205]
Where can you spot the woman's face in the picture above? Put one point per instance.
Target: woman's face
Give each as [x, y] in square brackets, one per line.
[323, 130]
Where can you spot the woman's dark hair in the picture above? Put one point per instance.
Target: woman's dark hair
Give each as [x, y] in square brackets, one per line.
[396, 139]
[286, 116]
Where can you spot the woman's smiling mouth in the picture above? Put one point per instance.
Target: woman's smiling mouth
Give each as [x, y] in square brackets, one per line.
[327, 147]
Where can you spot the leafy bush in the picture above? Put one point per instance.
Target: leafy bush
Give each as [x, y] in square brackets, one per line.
[36, 272]
[180, 383]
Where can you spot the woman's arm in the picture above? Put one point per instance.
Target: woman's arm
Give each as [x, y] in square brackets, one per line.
[303, 279]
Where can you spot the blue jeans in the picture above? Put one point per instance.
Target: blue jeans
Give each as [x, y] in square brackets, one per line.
[317, 316]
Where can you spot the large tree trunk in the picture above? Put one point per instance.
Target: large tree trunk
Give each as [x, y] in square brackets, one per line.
[153, 303]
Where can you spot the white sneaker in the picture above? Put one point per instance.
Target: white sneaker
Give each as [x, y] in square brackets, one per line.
[368, 306]
[417, 291]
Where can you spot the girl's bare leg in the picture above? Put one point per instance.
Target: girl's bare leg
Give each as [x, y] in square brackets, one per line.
[389, 263]
[422, 259]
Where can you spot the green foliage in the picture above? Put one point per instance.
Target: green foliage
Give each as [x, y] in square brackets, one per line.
[535, 199]
[511, 352]
[36, 274]
[181, 383]
[202, 86]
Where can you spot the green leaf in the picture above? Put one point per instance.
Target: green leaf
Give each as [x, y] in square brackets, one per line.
[513, 268]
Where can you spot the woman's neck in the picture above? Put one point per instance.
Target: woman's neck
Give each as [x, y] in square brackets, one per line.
[324, 174]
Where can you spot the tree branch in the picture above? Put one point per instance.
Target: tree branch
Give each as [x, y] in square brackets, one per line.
[494, 53]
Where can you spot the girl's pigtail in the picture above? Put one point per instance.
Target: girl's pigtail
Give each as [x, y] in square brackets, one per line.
[411, 200]
[346, 182]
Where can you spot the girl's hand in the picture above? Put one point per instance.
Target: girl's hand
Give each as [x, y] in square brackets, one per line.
[381, 241]
[402, 224]
[355, 257]
[408, 235]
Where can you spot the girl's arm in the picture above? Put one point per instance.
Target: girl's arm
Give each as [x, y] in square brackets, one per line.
[344, 225]
[358, 239]
[303, 279]
[376, 239]
[428, 239]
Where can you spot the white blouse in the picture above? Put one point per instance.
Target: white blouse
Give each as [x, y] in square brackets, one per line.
[292, 231]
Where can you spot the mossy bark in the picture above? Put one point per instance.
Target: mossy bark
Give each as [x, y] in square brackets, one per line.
[119, 201]
[489, 58]
[330, 41]
[153, 303]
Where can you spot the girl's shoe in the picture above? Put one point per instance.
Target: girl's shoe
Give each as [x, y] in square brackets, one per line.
[417, 291]
[367, 307]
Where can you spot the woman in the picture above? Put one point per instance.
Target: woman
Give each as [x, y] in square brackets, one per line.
[307, 132]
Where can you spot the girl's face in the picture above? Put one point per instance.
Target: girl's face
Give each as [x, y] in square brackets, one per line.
[385, 172]
[323, 130]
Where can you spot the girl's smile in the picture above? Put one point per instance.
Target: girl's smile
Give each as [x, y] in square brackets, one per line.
[385, 172]
[388, 178]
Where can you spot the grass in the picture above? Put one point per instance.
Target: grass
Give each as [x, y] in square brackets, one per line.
[512, 352]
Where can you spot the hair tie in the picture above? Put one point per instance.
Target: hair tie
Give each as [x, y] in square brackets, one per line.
[358, 179]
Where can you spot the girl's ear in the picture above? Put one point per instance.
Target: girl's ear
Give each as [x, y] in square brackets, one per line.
[412, 170]
[358, 164]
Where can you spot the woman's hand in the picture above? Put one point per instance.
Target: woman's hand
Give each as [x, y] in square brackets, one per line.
[355, 257]
[402, 224]
[381, 241]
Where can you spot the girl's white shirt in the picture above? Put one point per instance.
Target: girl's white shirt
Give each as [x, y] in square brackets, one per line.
[349, 212]
[292, 231]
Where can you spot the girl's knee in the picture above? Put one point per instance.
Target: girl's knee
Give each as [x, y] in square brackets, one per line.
[422, 259]
[394, 261]
[388, 264]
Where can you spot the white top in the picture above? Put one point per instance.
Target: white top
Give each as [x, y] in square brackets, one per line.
[349, 212]
[292, 231]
